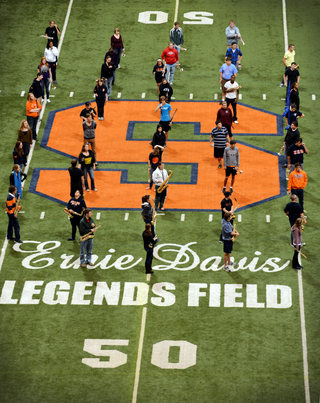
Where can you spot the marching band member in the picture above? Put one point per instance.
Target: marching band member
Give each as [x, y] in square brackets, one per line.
[296, 230]
[76, 206]
[158, 177]
[148, 243]
[154, 159]
[148, 214]
[231, 162]
[12, 212]
[165, 119]
[228, 232]
[86, 225]
[159, 70]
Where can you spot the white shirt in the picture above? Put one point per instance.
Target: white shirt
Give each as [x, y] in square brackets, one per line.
[229, 86]
[159, 176]
[51, 54]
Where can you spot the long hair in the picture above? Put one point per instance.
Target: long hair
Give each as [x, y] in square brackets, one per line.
[298, 224]
[15, 167]
[46, 63]
[29, 95]
[18, 149]
[48, 44]
[22, 125]
[148, 230]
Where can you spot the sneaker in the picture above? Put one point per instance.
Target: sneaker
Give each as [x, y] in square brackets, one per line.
[148, 188]
[11, 239]
[231, 190]
[235, 121]
[281, 85]
[223, 189]
[303, 244]
[226, 268]
[97, 164]
[220, 166]
[170, 83]
[18, 241]
[285, 166]
[48, 100]
[101, 118]
[95, 190]
[87, 190]
[232, 263]
[55, 81]
[70, 239]
[119, 67]
[300, 267]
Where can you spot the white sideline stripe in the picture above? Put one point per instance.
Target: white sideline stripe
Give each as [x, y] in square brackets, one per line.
[176, 11]
[313, 97]
[240, 96]
[215, 96]
[303, 324]
[239, 217]
[191, 96]
[71, 94]
[42, 215]
[138, 366]
[148, 276]
[264, 96]
[143, 95]
[126, 216]
[3, 251]
[98, 216]
[119, 95]
[304, 339]
[183, 216]
[267, 218]
[285, 30]
[22, 93]
[210, 217]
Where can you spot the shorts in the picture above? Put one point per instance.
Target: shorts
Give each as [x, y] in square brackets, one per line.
[159, 79]
[218, 152]
[223, 81]
[227, 246]
[231, 171]
[165, 125]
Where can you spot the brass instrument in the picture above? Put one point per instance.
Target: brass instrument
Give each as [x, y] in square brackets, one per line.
[89, 234]
[164, 184]
[234, 216]
[18, 207]
[234, 236]
[65, 210]
[154, 217]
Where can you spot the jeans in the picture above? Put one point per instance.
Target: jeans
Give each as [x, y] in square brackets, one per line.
[149, 256]
[108, 83]
[86, 171]
[171, 69]
[299, 193]
[160, 198]
[45, 84]
[177, 49]
[32, 122]
[93, 146]
[13, 223]
[86, 247]
[118, 53]
[233, 103]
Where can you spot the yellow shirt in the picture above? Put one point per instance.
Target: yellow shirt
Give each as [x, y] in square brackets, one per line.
[289, 56]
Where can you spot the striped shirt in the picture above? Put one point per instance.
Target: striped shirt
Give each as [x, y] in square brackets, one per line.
[219, 137]
[11, 203]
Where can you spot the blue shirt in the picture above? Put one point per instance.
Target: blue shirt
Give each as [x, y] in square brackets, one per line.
[234, 55]
[165, 109]
[227, 229]
[228, 71]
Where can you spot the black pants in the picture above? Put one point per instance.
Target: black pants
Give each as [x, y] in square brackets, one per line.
[75, 223]
[295, 261]
[100, 105]
[32, 122]
[53, 67]
[13, 224]
[233, 103]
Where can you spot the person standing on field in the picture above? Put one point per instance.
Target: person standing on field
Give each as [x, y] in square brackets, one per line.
[231, 162]
[228, 231]
[298, 180]
[226, 71]
[288, 58]
[232, 34]
[170, 58]
[176, 36]
[218, 139]
[235, 54]
[86, 225]
[231, 89]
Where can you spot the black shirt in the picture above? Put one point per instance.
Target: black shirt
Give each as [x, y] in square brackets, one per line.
[75, 179]
[53, 33]
[227, 204]
[291, 137]
[294, 210]
[292, 75]
[296, 153]
[106, 71]
[84, 112]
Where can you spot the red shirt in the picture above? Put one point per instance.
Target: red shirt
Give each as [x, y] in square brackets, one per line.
[171, 56]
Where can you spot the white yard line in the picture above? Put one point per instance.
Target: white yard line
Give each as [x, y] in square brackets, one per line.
[136, 380]
[126, 217]
[191, 96]
[176, 11]
[239, 216]
[285, 29]
[304, 339]
[210, 217]
[98, 216]
[5, 244]
[183, 216]
[267, 218]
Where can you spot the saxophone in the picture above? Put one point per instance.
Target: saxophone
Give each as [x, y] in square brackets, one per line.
[234, 236]
[89, 234]
[164, 184]
[18, 207]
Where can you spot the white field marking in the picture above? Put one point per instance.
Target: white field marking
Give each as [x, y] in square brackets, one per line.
[42, 215]
[148, 276]
[313, 97]
[143, 95]
[119, 95]
[173, 97]
[21, 212]
[215, 96]
[267, 218]
[52, 96]
[3, 251]
[285, 30]
[136, 380]
[304, 339]
[126, 217]
[239, 217]
[22, 93]
[176, 11]
[240, 96]
[283, 99]
[191, 96]
[71, 94]
[264, 96]
[160, 213]
[183, 216]
[98, 216]
[210, 217]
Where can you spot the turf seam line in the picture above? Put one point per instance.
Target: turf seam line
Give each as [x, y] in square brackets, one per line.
[136, 380]
[304, 339]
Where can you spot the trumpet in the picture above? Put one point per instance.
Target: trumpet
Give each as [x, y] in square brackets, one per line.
[89, 234]
[164, 184]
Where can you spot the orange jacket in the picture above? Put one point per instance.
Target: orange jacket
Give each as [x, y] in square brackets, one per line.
[32, 105]
[297, 180]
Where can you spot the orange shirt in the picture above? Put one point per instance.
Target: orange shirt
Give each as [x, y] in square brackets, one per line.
[297, 180]
[32, 105]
